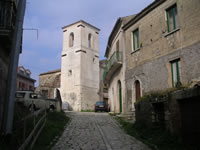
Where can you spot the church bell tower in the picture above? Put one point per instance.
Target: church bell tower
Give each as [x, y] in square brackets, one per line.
[80, 66]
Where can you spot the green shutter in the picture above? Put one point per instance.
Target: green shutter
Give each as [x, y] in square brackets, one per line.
[137, 32]
[174, 19]
[168, 21]
[134, 41]
[172, 74]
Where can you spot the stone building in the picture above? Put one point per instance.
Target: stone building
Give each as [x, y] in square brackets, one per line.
[162, 45]
[24, 80]
[80, 66]
[114, 72]
[156, 49]
[49, 84]
[8, 57]
[161, 51]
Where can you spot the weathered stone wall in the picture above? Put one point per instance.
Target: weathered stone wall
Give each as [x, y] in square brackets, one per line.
[180, 113]
[156, 74]
[150, 64]
[49, 82]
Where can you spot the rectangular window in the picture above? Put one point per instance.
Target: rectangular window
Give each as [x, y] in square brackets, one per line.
[172, 18]
[136, 40]
[176, 71]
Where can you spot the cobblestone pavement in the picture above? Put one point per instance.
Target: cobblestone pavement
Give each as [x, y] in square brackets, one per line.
[95, 131]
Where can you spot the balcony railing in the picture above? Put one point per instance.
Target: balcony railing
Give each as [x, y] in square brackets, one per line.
[7, 16]
[112, 65]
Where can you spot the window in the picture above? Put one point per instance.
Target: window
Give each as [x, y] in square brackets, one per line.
[90, 40]
[176, 70]
[71, 40]
[136, 40]
[69, 72]
[172, 19]
[137, 90]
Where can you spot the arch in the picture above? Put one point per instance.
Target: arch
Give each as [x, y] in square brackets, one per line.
[120, 95]
[71, 39]
[137, 90]
[90, 41]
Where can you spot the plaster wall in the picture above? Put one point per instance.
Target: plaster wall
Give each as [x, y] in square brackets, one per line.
[80, 68]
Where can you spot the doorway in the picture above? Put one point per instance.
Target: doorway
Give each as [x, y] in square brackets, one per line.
[120, 96]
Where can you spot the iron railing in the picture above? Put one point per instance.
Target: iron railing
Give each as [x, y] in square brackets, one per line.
[115, 58]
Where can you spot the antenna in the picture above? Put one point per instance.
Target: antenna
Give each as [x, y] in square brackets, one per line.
[34, 30]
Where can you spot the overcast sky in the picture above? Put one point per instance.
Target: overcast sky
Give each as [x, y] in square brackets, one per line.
[48, 16]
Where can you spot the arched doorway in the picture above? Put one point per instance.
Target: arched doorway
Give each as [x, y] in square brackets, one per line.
[120, 96]
[137, 90]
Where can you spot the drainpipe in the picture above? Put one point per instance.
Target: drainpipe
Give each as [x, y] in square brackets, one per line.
[12, 71]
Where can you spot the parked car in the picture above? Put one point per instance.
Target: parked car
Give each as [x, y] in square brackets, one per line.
[34, 101]
[101, 106]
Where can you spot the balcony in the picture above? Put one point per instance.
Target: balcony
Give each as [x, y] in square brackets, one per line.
[8, 10]
[113, 64]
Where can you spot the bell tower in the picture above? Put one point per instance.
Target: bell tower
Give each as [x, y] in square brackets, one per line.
[80, 66]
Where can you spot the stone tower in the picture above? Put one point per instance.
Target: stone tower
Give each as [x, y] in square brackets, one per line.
[80, 66]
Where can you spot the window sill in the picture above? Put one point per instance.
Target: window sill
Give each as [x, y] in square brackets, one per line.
[135, 51]
[169, 33]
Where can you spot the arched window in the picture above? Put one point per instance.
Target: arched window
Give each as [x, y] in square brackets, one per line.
[71, 39]
[137, 90]
[90, 40]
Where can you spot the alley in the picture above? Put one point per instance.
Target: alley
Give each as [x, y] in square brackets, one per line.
[95, 131]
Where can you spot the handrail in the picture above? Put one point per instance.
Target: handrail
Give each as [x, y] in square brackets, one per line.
[36, 130]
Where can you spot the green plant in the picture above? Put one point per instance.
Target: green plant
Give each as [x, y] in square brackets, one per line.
[87, 110]
[156, 137]
[54, 127]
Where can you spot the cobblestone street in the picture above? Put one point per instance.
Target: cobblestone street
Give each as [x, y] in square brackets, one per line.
[95, 131]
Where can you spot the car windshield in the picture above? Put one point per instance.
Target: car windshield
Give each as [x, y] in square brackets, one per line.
[33, 95]
[100, 103]
[20, 95]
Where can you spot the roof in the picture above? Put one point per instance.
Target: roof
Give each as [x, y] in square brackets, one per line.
[81, 21]
[120, 21]
[143, 13]
[26, 77]
[50, 72]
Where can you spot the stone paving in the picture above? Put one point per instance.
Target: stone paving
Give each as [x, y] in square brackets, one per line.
[95, 131]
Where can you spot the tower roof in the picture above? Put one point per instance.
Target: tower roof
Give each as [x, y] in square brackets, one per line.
[82, 22]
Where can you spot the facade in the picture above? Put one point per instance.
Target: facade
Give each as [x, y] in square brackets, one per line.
[9, 59]
[161, 54]
[24, 80]
[162, 45]
[80, 66]
[49, 84]
[156, 49]
[114, 72]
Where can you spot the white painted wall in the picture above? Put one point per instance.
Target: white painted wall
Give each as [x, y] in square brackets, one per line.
[80, 89]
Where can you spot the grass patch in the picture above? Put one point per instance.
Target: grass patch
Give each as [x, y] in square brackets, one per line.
[54, 127]
[157, 138]
[87, 110]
